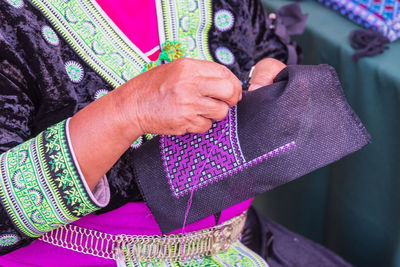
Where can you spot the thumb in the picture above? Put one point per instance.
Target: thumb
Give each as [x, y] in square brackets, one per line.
[265, 72]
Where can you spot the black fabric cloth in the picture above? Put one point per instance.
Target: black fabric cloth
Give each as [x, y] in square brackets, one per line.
[35, 91]
[291, 21]
[367, 42]
[281, 247]
[298, 124]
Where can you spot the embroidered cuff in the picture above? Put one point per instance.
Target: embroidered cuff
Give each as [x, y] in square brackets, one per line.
[41, 185]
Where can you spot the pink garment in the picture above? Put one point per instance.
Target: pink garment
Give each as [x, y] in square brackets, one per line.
[132, 218]
[130, 16]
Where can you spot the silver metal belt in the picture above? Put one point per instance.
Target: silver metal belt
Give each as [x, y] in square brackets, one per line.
[169, 248]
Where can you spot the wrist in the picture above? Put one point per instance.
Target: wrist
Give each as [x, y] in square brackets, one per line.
[125, 114]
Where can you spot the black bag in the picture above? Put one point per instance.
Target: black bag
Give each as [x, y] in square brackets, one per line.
[275, 134]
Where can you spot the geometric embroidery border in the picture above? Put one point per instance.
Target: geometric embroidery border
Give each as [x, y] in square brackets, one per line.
[264, 157]
[192, 162]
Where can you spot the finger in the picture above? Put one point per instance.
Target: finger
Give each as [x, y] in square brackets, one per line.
[199, 125]
[228, 91]
[265, 72]
[213, 109]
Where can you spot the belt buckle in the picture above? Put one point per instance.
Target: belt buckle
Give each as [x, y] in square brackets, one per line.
[222, 238]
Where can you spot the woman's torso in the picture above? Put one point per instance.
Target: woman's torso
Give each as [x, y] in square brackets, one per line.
[56, 98]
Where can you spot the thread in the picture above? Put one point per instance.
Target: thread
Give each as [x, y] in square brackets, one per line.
[189, 204]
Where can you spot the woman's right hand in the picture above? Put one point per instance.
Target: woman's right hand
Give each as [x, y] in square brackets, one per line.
[186, 95]
[182, 96]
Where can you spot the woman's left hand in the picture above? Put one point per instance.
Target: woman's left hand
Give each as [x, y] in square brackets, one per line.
[265, 72]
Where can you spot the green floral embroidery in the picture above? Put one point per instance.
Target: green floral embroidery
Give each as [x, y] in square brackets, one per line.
[100, 93]
[8, 240]
[171, 51]
[194, 19]
[16, 3]
[40, 186]
[224, 20]
[108, 52]
[151, 65]
[50, 36]
[224, 55]
[64, 180]
[99, 43]
[82, 210]
[149, 136]
[137, 143]
[74, 71]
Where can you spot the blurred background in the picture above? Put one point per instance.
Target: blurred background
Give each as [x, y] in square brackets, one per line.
[352, 206]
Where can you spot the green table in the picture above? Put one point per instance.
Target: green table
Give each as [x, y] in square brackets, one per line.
[352, 206]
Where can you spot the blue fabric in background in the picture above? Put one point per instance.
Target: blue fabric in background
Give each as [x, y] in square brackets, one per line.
[353, 206]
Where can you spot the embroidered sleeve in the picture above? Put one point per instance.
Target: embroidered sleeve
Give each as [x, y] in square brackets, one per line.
[41, 185]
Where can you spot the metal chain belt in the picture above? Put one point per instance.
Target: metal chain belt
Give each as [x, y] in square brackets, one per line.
[169, 248]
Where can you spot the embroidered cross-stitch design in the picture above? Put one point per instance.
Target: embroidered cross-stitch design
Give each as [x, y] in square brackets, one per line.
[192, 161]
[387, 8]
[380, 15]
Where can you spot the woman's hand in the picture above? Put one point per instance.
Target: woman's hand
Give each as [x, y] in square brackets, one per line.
[182, 96]
[265, 72]
[186, 95]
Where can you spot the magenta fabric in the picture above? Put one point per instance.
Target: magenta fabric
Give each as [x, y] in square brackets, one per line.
[130, 16]
[132, 218]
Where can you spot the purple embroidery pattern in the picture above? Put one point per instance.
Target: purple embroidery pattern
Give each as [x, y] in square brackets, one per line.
[192, 161]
